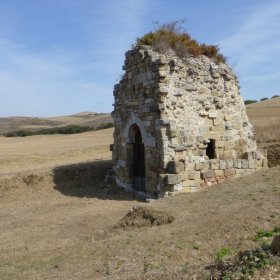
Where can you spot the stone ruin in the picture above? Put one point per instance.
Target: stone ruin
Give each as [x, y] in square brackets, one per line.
[180, 125]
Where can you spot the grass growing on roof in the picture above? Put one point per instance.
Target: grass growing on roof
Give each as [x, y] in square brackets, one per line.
[172, 36]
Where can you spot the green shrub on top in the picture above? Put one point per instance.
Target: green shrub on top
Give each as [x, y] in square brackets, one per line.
[172, 36]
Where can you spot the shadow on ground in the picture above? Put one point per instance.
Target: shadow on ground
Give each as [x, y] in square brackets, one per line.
[87, 180]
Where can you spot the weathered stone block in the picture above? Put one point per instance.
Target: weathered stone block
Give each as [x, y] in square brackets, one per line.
[223, 164]
[217, 122]
[150, 142]
[259, 163]
[228, 117]
[211, 135]
[219, 173]
[162, 122]
[201, 152]
[249, 155]
[219, 144]
[191, 184]
[217, 129]
[194, 175]
[214, 164]
[245, 164]
[229, 163]
[206, 164]
[230, 172]
[252, 164]
[238, 163]
[175, 167]
[176, 188]
[172, 179]
[207, 174]
[184, 175]
[198, 166]
[212, 115]
[227, 155]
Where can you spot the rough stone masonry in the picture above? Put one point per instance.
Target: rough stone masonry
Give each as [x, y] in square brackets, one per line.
[180, 124]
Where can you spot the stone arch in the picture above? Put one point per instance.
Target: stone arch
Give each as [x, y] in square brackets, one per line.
[135, 135]
[132, 122]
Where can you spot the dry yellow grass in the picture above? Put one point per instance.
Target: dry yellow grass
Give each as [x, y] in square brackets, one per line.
[58, 220]
[265, 117]
[46, 151]
[50, 230]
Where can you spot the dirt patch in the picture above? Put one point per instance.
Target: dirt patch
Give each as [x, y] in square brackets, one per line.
[25, 182]
[273, 155]
[144, 217]
[32, 179]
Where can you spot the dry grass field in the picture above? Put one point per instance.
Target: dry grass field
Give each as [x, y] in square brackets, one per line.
[35, 152]
[58, 220]
[265, 117]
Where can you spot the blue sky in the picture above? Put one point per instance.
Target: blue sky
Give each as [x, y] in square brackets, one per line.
[64, 56]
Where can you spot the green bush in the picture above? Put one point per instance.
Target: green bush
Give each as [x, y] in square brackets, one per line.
[245, 264]
[19, 133]
[105, 125]
[246, 102]
[172, 36]
[263, 99]
[69, 129]
[274, 96]
[223, 252]
[267, 233]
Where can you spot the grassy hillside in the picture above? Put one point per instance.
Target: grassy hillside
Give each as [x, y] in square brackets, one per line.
[265, 117]
[90, 119]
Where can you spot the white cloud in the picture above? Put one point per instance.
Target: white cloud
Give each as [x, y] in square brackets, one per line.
[51, 80]
[258, 27]
[254, 49]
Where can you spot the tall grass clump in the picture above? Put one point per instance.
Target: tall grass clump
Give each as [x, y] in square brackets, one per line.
[172, 36]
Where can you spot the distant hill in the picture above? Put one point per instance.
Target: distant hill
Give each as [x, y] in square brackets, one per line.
[91, 119]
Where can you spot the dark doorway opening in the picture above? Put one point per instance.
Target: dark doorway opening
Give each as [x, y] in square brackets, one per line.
[210, 150]
[138, 160]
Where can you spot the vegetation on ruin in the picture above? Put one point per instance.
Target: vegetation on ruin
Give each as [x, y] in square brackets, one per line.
[172, 36]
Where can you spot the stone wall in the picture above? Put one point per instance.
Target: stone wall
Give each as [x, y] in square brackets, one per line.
[192, 120]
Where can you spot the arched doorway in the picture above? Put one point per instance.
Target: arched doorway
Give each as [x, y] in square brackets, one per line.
[138, 159]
